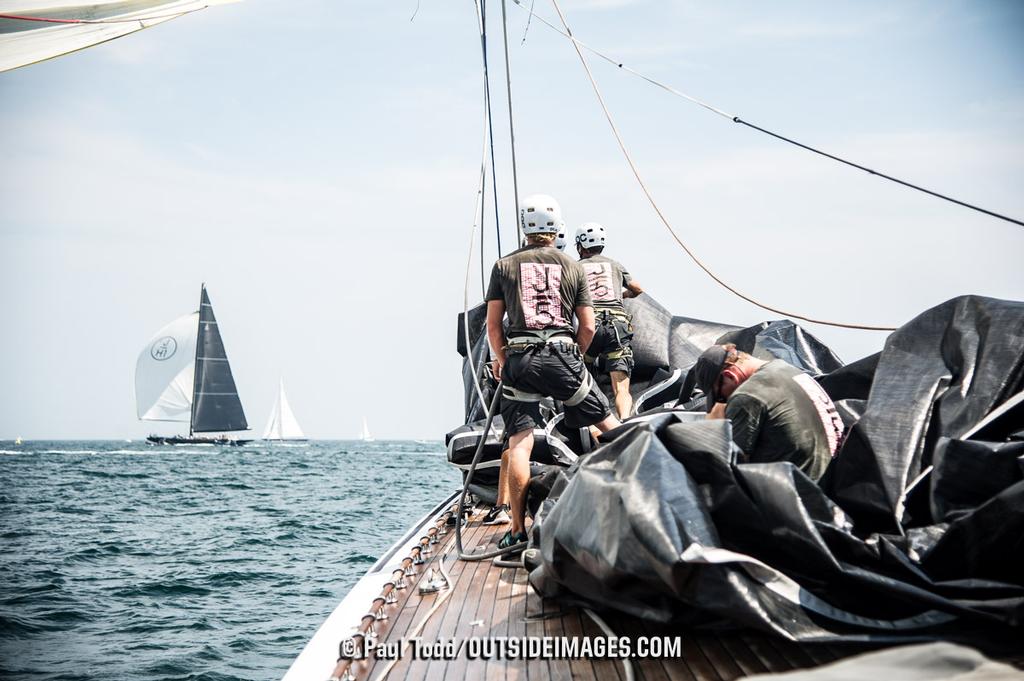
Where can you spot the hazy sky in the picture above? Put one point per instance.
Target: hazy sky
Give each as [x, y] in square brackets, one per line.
[315, 163]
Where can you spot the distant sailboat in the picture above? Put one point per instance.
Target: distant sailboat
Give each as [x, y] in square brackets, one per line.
[17, 441]
[282, 426]
[183, 375]
[365, 434]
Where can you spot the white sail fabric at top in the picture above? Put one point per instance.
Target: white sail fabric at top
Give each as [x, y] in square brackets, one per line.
[34, 30]
[282, 424]
[165, 372]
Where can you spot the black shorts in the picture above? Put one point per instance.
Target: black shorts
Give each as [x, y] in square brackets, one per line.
[612, 348]
[555, 370]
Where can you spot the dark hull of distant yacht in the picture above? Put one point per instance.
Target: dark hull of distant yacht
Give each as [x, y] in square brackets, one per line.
[195, 440]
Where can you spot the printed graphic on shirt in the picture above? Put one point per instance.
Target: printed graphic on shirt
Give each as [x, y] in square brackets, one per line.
[826, 410]
[599, 279]
[540, 294]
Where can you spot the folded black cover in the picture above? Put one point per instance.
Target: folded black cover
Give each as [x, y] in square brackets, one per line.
[663, 523]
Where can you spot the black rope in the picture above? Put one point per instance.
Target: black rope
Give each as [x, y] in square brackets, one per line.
[483, 179]
[511, 127]
[737, 119]
[490, 131]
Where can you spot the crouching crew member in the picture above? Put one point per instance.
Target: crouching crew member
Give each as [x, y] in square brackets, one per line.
[540, 288]
[609, 282]
[778, 412]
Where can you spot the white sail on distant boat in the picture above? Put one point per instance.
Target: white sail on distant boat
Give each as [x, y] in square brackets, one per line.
[365, 434]
[183, 374]
[282, 425]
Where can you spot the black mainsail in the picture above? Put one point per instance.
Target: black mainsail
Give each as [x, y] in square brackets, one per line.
[215, 403]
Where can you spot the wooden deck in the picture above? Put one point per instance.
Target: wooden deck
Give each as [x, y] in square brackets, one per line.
[487, 602]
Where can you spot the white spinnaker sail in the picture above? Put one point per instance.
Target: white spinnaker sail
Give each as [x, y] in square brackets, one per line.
[50, 28]
[165, 371]
[282, 424]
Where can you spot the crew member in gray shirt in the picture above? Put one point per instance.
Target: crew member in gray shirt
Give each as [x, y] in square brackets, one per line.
[541, 289]
[778, 412]
[611, 351]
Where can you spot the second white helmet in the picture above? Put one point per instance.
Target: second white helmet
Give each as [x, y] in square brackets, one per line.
[560, 237]
[590, 235]
[540, 214]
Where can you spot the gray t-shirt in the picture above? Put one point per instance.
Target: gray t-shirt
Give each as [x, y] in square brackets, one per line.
[605, 278]
[782, 414]
[541, 287]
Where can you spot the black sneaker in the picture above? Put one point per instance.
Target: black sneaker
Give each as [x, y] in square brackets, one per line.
[498, 516]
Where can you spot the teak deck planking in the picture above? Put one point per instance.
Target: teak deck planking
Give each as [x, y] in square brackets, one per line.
[485, 600]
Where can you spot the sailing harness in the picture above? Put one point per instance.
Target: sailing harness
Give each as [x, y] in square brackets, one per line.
[544, 341]
[621, 324]
[527, 344]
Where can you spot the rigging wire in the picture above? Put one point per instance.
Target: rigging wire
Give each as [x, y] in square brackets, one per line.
[478, 555]
[664, 220]
[511, 127]
[481, 13]
[496, 398]
[465, 299]
[526, 31]
[478, 223]
[897, 180]
[483, 191]
[486, 124]
[736, 119]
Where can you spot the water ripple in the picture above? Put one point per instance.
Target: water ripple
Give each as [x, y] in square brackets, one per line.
[191, 564]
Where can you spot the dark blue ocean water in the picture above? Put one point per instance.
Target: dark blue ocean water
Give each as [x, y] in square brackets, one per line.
[123, 561]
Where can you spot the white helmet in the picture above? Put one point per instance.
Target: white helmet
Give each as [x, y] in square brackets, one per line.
[590, 235]
[560, 240]
[539, 214]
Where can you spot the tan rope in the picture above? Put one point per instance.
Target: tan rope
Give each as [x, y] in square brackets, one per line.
[668, 225]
